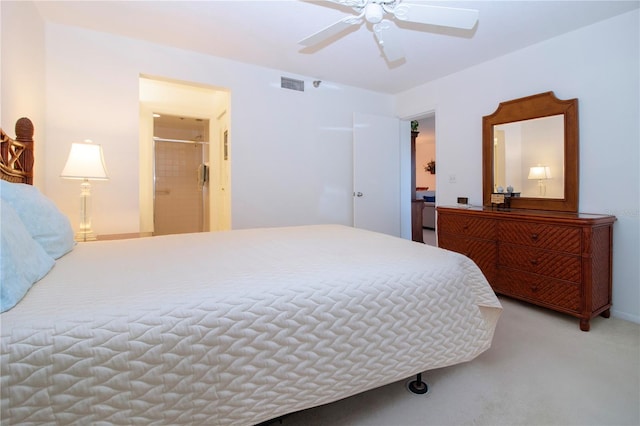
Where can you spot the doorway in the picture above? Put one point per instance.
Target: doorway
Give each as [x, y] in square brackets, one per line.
[181, 174]
[208, 109]
[425, 173]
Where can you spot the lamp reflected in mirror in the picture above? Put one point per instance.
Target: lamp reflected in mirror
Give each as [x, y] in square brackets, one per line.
[519, 145]
[540, 173]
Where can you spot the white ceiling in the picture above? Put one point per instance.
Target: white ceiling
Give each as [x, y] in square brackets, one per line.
[266, 33]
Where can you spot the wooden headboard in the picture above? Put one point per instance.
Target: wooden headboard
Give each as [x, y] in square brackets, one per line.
[16, 155]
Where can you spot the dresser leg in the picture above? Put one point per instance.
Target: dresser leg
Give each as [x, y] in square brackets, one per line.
[606, 314]
[584, 325]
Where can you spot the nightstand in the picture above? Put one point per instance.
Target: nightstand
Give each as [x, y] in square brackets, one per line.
[108, 237]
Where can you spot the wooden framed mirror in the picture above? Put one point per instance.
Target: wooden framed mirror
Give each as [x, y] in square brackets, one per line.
[530, 146]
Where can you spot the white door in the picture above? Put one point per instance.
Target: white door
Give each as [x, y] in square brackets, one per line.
[376, 173]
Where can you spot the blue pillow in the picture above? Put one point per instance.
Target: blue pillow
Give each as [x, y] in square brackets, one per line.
[22, 261]
[46, 224]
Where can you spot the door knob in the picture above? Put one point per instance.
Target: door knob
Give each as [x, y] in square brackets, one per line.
[358, 194]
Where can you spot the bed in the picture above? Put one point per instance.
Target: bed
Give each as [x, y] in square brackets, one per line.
[235, 327]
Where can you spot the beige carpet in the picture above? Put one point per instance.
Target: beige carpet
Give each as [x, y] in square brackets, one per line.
[540, 370]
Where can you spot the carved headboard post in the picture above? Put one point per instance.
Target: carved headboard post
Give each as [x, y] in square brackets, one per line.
[16, 155]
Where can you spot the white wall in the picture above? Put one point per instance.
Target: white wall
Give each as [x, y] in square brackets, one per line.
[599, 65]
[22, 70]
[291, 150]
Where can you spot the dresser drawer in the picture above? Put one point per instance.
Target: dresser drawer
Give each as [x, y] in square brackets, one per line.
[540, 235]
[558, 265]
[482, 252]
[467, 226]
[538, 289]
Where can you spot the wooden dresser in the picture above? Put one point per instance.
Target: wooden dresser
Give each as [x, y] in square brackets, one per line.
[562, 261]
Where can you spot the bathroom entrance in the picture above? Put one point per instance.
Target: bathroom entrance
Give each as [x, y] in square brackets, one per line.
[181, 174]
[185, 157]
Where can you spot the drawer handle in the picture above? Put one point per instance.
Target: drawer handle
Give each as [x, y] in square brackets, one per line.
[533, 261]
[534, 237]
[534, 288]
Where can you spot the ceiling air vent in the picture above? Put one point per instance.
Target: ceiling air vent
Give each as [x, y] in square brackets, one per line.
[290, 83]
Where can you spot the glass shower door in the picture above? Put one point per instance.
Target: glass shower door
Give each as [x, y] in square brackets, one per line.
[181, 187]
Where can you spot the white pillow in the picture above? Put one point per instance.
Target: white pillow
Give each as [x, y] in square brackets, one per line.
[22, 261]
[46, 224]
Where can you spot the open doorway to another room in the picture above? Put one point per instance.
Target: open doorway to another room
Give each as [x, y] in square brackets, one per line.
[185, 157]
[425, 158]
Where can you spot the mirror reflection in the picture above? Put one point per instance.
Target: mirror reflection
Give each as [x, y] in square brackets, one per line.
[529, 157]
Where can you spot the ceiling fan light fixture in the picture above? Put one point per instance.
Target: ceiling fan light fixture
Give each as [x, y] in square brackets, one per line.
[373, 13]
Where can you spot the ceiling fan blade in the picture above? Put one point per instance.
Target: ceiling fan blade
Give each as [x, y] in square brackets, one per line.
[330, 31]
[388, 40]
[437, 15]
[350, 3]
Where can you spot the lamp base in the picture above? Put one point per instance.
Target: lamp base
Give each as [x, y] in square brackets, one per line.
[542, 188]
[85, 236]
[86, 232]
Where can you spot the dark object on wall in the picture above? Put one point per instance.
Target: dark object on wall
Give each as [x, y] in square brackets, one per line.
[226, 144]
[431, 167]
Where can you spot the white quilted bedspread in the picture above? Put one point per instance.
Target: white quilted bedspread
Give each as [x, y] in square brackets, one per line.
[235, 327]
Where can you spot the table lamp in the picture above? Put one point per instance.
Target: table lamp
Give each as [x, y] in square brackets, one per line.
[541, 173]
[85, 162]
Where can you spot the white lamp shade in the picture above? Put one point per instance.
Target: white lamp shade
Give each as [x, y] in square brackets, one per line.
[539, 172]
[85, 161]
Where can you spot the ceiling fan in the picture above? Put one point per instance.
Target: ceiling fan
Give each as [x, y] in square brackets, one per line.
[374, 12]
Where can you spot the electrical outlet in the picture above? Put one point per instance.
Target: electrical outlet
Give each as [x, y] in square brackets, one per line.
[452, 179]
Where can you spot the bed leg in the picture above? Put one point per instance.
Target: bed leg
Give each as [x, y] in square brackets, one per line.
[417, 386]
